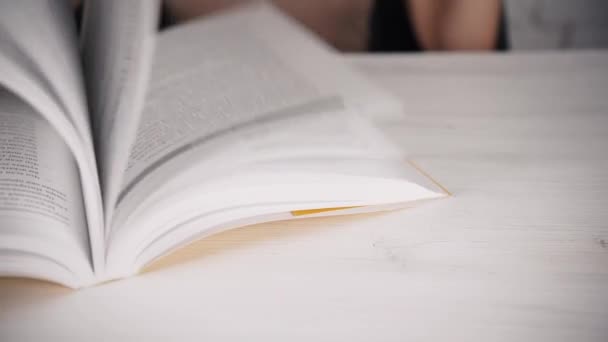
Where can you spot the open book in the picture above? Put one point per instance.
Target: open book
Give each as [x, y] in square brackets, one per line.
[120, 144]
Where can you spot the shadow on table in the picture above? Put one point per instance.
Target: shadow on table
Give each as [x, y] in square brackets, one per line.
[23, 292]
[233, 240]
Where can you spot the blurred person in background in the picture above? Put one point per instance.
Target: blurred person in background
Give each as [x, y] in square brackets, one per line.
[380, 25]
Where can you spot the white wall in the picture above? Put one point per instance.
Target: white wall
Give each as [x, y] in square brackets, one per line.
[551, 24]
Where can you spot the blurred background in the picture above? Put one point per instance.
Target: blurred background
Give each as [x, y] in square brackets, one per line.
[557, 24]
[415, 25]
[405, 25]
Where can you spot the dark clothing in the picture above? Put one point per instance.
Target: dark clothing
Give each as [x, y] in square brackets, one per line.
[391, 29]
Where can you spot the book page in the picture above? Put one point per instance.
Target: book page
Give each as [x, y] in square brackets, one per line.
[117, 46]
[41, 203]
[205, 81]
[41, 37]
[40, 64]
[221, 72]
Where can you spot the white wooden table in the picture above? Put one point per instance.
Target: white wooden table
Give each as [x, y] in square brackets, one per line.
[519, 253]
